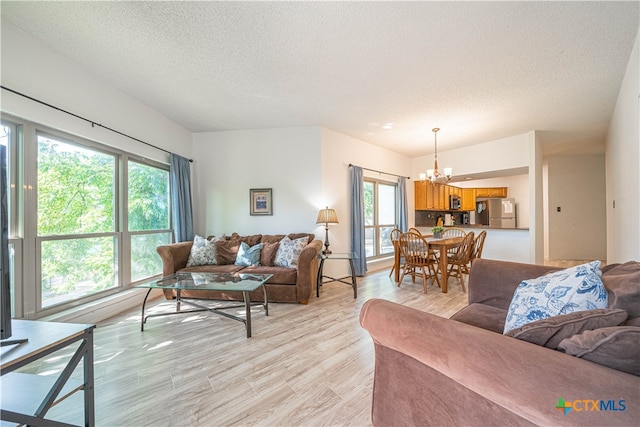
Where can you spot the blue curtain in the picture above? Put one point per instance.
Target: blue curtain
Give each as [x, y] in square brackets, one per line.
[180, 182]
[357, 221]
[403, 213]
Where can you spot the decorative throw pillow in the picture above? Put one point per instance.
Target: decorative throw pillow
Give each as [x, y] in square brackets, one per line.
[203, 252]
[268, 253]
[248, 256]
[616, 347]
[560, 292]
[289, 251]
[549, 332]
[226, 251]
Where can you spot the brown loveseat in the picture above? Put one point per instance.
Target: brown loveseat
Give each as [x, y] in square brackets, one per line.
[464, 372]
[286, 285]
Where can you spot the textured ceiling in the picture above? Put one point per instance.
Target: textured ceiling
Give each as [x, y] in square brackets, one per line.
[478, 70]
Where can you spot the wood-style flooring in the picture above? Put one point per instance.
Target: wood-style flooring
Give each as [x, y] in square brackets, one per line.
[306, 365]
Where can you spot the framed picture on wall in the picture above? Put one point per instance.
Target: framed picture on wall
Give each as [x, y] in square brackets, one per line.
[261, 201]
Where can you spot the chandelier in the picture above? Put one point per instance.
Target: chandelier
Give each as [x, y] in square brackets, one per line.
[434, 174]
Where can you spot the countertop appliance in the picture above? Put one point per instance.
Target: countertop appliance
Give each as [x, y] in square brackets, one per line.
[496, 213]
[454, 202]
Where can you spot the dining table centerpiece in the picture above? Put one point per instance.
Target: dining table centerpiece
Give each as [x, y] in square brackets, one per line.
[437, 231]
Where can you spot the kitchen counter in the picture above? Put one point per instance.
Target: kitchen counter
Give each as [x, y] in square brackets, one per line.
[507, 244]
[486, 227]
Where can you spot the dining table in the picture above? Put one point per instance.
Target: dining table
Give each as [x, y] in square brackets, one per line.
[443, 245]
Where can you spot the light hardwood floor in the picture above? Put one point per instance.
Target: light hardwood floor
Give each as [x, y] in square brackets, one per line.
[306, 365]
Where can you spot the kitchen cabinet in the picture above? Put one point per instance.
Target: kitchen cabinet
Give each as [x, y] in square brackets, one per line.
[442, 200]
[468, 199]
[435, 197]
[420, 195]
[491, 192]
[430, 196]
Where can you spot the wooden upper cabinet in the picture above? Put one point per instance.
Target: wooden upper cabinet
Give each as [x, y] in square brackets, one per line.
[455, 191]
[435, 197]
[491, 192]
[468, 199]
[420, 195]
[431, 199]
[500, 192]
[444, 196]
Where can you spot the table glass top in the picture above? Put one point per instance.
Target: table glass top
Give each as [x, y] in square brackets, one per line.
[208, 281]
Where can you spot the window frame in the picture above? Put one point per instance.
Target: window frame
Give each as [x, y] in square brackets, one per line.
[376, 223]
[23, 219]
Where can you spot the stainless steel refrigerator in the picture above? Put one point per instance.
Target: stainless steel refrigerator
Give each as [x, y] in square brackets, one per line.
[502, 213]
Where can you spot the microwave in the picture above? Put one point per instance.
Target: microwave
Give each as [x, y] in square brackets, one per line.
[454, 202]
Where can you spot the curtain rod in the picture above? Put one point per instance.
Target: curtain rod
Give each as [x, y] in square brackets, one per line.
[93, 124]
[386, 173]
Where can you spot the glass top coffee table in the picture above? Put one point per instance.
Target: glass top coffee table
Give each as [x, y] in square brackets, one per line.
[238, 282]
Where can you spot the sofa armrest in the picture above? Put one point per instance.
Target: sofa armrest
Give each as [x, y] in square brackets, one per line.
[521, 377]
[493, 282]
[174, 256]
[308, 270]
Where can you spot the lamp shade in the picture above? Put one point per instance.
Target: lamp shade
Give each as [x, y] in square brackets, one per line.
[327, 216]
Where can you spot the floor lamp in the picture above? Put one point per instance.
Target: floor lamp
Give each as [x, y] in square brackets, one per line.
[327, 216]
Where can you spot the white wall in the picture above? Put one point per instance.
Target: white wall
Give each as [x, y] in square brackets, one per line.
[623, 168]
[228, 164]
[502, 154]
[338, 151]
[35, 70]
[307, 168]
[577, 187]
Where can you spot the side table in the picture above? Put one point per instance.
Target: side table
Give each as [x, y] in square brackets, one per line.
[349, 256]
[26, 398]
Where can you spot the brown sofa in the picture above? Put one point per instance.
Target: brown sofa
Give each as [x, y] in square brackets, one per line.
[463, 371]
[286, 285]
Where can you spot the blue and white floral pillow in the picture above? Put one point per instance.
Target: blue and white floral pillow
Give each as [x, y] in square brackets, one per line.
[248, 256]
[289, 251]
[561, 292]
[203, 252]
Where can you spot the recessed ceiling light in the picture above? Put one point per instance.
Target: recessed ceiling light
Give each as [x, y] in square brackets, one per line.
[388, 126]
[468, 178]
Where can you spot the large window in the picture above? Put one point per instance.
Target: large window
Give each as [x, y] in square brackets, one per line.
[76, 220]
[8, 138]
[88, 218]
[380, 216]
[148, 217]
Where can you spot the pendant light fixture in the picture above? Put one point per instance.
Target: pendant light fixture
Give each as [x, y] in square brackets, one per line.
[434, 174]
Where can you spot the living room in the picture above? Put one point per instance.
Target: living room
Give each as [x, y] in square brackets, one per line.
[307, 166]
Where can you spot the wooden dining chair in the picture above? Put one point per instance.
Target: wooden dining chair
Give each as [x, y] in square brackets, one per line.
[451, 232]
[414, 248]
[476, 252]
[460, 259]
[395, 236]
